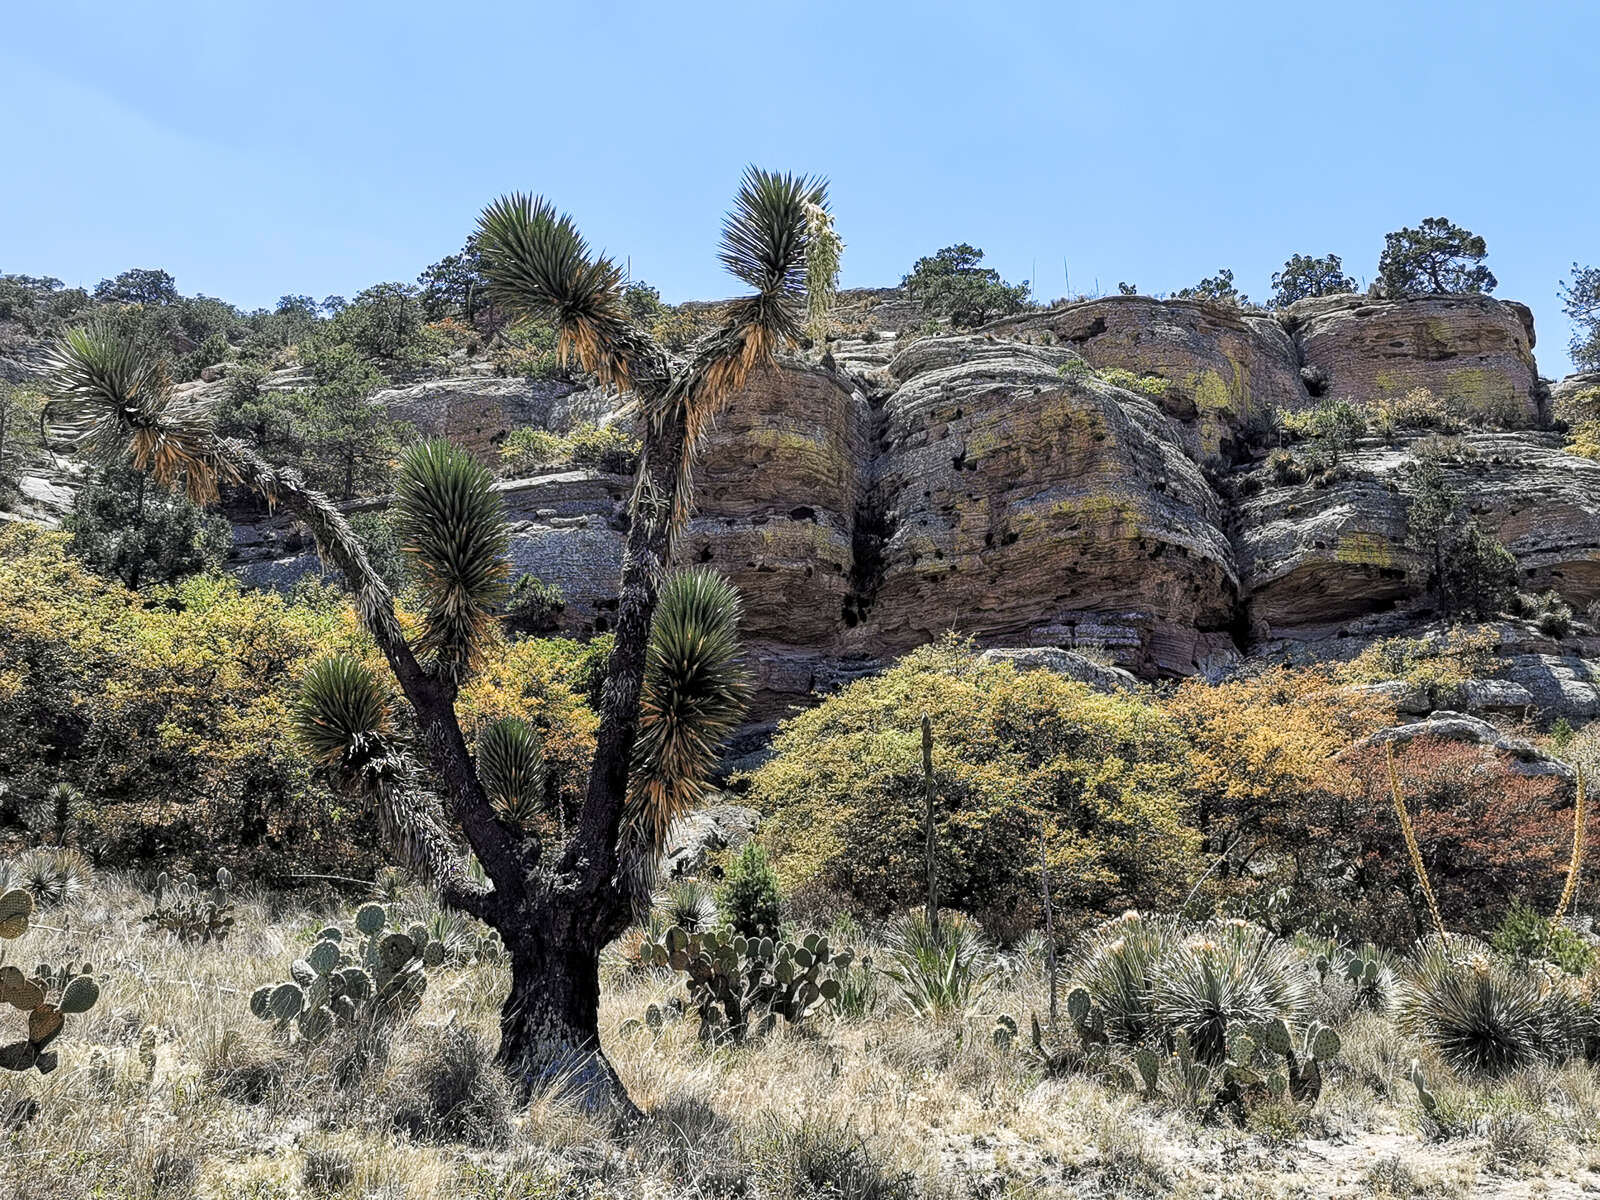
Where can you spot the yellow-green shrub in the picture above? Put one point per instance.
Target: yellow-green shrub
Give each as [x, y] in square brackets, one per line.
[1018, 755]
[170, 709]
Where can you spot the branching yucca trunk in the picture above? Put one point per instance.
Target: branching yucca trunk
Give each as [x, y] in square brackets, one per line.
[665, 707]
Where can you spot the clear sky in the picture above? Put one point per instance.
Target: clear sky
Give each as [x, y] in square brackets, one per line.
[254, 149]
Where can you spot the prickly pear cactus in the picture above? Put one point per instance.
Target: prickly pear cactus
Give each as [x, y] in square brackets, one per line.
[193, 912]
[1425, 1096]
[49, 996]
[739, 985]
[368, 977]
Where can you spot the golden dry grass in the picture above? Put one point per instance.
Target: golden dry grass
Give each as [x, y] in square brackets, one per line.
[889, 1105]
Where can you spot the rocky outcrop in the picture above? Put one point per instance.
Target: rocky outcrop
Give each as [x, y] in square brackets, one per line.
[697, 836]
[1520, 756]
[1224, 365]
[1472, 349]
[1068, 664]
[872, 496]
[478, 411]
[1025, 506]
[1318, 554]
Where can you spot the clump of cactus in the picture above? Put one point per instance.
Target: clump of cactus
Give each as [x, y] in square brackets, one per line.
[1246, 1064]
[738, 985]
[1367, 969]
[193, 912]
[1088, 1052]
[1268, 1061]
[367, 976]
[48, 997]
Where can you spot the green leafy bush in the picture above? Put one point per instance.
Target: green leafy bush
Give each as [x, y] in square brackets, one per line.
[1529, 936]
[1018, 754]
[749, 900]
[1152, 386]
[527, 449]
[605, 448]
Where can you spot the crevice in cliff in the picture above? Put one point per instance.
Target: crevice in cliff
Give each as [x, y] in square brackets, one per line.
[871, 527]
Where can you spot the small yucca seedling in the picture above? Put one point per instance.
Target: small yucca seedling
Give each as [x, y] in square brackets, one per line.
[939, 972]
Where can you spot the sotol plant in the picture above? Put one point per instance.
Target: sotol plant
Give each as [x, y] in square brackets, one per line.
[49, 996]
[671, 686]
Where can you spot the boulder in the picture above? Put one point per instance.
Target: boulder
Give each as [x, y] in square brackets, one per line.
[1523, 757]
[694, 838]
[1099, 676]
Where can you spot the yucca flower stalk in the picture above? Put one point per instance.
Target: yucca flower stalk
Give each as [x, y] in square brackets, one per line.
[673, 687]
[1575, 862]
[1410, 836]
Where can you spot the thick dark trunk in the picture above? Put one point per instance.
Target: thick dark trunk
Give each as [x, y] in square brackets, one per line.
[550, 1027]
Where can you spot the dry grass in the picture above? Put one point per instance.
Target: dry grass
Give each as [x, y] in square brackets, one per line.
[169, 1088]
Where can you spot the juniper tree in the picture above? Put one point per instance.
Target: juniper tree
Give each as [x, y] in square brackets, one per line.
[672, 686]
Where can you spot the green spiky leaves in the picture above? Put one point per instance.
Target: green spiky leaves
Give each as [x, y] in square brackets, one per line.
[537, 262]
[764, 241]
[108, 398]
[511, 763]
[343, 713]
[693, 695]
[451, 524]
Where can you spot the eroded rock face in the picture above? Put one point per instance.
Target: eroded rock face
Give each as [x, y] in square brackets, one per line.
[1026, 506]
[477, 411]
[1224, 365]
[1474, 349]
[1311, 555]
[992, 484]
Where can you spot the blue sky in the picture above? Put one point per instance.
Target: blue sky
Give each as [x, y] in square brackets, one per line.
[255, 149]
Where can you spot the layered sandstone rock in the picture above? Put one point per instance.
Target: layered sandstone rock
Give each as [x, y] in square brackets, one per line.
[1312, 555]
[1472, 349]
[1224, 365]
[994, 484]
[1028, 506]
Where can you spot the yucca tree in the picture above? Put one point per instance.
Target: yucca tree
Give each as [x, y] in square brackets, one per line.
[673, 685]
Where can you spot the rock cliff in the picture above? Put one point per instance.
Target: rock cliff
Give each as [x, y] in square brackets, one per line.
[1001, 484]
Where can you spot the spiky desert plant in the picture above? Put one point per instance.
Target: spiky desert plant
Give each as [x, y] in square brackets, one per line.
[693, 696]
[555, 907]
[1480, 1012]
[511, 761]
[939, 971]
[1118, 968]
[1227, 973]
[55, 875]
[688, 904]
[109, 399]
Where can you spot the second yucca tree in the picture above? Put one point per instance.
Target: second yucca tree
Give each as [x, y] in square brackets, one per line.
[673, 688]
